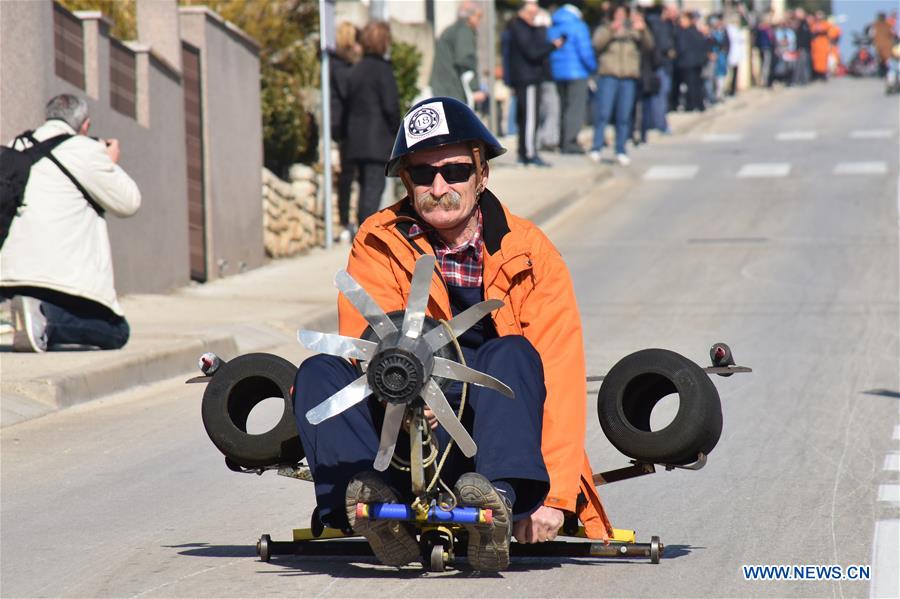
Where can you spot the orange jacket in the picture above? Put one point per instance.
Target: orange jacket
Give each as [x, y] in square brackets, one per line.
[525, 271]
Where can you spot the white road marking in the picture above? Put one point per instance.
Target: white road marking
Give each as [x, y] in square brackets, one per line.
[871, 134]
[885, 559]
[892, 462]
[889, 492]
[764, 169]
[722, 137]
[670, 173]
[897, 433]
[875, 167]
[796, 136]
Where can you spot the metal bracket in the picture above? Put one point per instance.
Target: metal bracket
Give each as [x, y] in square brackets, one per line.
[700, 463]
[640, 468]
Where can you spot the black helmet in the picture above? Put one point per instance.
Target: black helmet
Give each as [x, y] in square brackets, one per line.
[437, 122]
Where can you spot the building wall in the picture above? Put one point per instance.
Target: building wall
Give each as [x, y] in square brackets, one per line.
[150, 250]
[153, 156]
[232, 142]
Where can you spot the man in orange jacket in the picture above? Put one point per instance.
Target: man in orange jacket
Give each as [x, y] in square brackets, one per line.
[531, 468]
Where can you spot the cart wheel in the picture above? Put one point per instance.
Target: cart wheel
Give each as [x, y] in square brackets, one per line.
[655, 550]
[262, 548]
[437, 558]
[315, 524]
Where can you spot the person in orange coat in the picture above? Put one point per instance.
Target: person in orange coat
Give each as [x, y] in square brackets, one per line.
[820, 47]
[483, 252]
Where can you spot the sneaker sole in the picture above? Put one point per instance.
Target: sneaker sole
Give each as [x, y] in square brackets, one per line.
[488, 543]
[391, 541]
[22, 337]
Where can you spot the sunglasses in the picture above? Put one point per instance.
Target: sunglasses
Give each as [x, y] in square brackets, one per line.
[457, 172]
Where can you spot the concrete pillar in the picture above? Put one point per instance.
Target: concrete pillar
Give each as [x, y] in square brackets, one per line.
[157, 27]
[91, 22]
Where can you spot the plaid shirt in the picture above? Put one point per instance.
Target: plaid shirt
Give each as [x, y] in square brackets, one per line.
[461, 266]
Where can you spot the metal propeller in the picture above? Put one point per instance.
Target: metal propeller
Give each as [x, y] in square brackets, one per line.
[400, 366]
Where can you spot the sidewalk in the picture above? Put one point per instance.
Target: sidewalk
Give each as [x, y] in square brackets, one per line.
[260, 309]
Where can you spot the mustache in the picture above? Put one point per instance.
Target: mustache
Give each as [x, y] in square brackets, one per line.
[448, 201]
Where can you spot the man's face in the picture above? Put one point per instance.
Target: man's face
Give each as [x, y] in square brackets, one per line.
[475, 19]
[443, 205]
[529, 11]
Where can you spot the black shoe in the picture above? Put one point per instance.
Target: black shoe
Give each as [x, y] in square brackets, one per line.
[577, 151]
[539, 162]
[488, 543]
[391, 541]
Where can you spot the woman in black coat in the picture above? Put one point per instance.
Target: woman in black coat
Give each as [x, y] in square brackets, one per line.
[345, 55]
[372, 116]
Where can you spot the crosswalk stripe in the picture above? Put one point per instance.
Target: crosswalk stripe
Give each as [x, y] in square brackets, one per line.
[764, 169]
[796, 136]
[892, 462]
[860, 168]
[889, 492]
[671, 173]
[722, 137]
[871, 134]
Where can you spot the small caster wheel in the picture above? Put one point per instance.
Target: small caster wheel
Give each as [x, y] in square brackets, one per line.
[316, 526]
[437, 559]
[656, 550]
[262, 548]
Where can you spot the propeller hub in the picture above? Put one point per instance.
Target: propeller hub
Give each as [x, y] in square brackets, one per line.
[400, 369]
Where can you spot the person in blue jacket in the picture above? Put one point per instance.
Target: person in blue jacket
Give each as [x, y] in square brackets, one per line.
[571, 65]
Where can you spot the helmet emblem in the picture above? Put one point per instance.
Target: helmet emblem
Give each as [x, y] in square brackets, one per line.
[426, 121]
[423, 121]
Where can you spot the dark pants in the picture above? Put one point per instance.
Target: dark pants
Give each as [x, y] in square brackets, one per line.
[573, 110]
[506, 431]
[692, 77]
[371, 186]
[528, 99]
[75, 322]
[345, 184]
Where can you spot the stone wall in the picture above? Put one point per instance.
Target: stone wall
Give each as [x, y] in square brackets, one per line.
[292, 212]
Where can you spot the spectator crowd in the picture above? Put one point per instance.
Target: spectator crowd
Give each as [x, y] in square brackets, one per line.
[632, 65]
[642, 61]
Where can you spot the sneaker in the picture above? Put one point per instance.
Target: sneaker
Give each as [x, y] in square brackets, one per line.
[488, 543]
[391, 540]
[346, 236]
[539, 162]
[596, 156]
[29, 325]
[623, 159]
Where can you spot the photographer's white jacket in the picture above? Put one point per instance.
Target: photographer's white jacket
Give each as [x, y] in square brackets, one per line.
[58, 241]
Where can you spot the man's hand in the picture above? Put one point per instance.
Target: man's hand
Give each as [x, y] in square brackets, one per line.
[479, 96]
[112, 149]
[543, 525]
[430, 418]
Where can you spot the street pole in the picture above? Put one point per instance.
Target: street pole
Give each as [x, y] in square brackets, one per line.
[324, 39]
[492, 53]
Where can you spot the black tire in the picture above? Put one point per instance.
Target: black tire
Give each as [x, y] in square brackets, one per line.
[633, 387]
[238, 386]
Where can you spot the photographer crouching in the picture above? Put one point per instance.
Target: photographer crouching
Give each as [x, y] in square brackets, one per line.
[56, 263]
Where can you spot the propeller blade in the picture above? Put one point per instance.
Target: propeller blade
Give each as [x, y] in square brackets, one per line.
[459, 324]
[437, 401]
[347, 397]
[449, 369]
[393, 418]
[363, 302]
[418, 297]
[337, 345]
